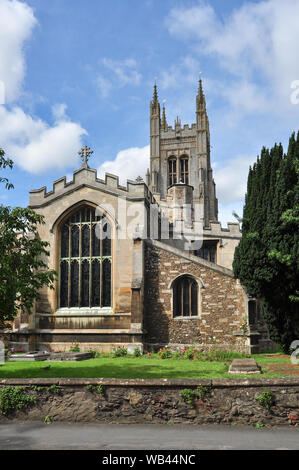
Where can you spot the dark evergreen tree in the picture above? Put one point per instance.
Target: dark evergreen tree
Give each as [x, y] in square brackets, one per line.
[266, 260]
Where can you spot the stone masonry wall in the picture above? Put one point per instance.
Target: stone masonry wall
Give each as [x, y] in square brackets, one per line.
[224, 401]
[222, 303]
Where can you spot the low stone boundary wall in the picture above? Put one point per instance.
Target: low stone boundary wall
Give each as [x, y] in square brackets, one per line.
[245, 401]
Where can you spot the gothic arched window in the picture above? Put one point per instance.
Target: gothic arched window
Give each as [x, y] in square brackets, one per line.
[184, 169]
[85, 260]
[172, 171]
[185, 297]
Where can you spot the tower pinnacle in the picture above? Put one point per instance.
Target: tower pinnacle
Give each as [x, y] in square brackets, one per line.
[155, 96]
[200, 99]
[164, 122]
[155, 105]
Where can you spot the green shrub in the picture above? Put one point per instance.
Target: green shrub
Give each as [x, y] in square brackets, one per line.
[266, 399]
[137, 352]
[93, 352]
[12, 398]
[54, 389]
[177, 355]
[36, 388]
[189, 352]
[203, 391]
[258, 425]
[75, 348]
[165, 353]
[100, 390]
[90, 387]
[120, 351]
[188, 395]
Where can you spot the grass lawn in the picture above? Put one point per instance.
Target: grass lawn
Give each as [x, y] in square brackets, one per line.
[137, 368]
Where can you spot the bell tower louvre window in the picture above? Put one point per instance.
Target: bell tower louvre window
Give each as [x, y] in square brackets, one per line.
[172, 171]
[184, 169]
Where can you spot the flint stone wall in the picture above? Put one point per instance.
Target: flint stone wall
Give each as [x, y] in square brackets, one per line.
[134, 401]
[222, 302]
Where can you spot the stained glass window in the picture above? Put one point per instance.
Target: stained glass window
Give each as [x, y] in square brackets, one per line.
[85, 260]
[185, 297]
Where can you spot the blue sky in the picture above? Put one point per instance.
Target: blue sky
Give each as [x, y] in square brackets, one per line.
[76, 72]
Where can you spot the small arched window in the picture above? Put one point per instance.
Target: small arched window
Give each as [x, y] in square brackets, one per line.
[185, 297]
[85, 260]
[172, 171]
[184, 169]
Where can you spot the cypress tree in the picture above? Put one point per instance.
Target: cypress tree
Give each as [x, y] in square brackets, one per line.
[266, 260]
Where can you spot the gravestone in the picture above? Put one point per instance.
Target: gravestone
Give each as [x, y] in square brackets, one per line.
[2, 352]
[70, 356]
[51, 356]
[244, 366]
[30, 356]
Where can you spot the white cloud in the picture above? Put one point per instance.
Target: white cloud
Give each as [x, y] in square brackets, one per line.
[225, 212]
[104, 86]
[231, 185]
[36, 146]
[231, 178]
[125, 71]
[128, 164]
[257, 42]
[121, 73]
[246, 97]
[186, 70]
[59, 112]
[16, 23]
[32, 143]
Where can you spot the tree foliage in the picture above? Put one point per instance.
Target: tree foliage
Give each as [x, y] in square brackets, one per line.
[5, 162]
[23, 259]
[267, 258]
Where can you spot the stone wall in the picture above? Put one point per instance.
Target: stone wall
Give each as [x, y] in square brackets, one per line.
[222, 302]
[158, 401]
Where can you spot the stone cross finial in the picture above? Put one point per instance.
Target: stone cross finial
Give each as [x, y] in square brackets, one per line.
[84, 153]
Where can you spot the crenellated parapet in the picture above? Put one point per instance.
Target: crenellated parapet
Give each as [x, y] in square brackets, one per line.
[170, 132]
[87, 177]
[215, 229]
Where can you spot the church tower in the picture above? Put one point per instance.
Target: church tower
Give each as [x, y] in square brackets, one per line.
[181, 156]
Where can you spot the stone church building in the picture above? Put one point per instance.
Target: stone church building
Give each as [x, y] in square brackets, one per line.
[147, 264]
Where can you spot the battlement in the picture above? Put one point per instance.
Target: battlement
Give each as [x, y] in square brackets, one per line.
[88, 177]
[184, 131]
[215, 229]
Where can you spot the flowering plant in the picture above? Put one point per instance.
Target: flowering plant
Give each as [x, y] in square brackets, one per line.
[120, 351]
[164, 353]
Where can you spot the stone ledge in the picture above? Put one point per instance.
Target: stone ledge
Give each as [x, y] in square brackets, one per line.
[216, 383]
[256, 382]
[68, 331]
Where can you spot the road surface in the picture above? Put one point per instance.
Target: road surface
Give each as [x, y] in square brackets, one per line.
[58, 436]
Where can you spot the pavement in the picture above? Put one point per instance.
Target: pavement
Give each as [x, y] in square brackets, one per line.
[60, 436]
